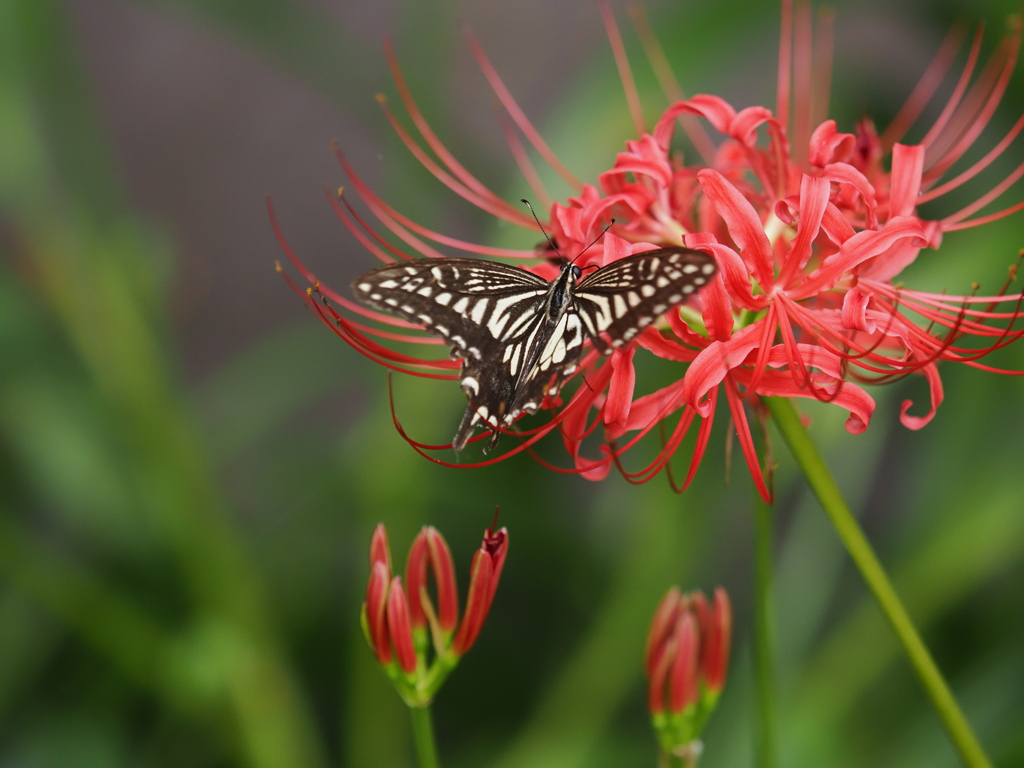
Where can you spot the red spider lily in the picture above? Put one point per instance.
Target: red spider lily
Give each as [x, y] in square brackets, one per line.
[417, 644]
[686, 662]
[809, 227]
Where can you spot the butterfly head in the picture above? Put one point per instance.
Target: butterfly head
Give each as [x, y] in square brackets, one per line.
[570, 272]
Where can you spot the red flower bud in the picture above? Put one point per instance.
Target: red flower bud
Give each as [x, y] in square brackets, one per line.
[375, 609]
[444, 579]
[661, 627]
[658, 664]
[714, 660]
[416, 579]
[686, 660]
[379, 550]
[399, 627]
[682, 685]
[430, 548]
[395, 615]
[699, 607]
[481, 573]
[483, 581]
[496, 545]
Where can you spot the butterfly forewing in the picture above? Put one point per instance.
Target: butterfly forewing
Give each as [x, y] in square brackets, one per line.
[521, 337]
[470, 303]
[620, 300]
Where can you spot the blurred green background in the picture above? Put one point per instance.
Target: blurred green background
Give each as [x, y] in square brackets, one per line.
[191, 465]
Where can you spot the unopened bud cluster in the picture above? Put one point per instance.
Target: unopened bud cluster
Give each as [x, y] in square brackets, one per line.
[417, 641]
[686, 662]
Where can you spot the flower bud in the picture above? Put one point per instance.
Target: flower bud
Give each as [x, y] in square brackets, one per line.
[714, 660]
[379, 550]
[686, 661]
[483, 581]
[399, 627]
[431, 549]
[682, 684]
[444, 578]
[375, 611]
[396, 616]
[416, 580]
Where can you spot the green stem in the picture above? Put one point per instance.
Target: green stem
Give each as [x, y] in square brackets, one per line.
[764, 645]
[825, 488]
[423, 736]
[686, 758]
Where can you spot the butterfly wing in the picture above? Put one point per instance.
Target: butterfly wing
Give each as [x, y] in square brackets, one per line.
[470, 303]
[491, 314]
[516, 347]
[620, 300]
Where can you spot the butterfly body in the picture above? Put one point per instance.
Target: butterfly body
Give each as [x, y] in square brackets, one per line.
[520, 336]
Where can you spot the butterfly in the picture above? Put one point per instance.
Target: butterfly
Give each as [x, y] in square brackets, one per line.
[520, 336]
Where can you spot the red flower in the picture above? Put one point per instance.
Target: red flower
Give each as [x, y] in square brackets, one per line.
[430, 548]
[809, 227]
[411, 638]
[686, 662]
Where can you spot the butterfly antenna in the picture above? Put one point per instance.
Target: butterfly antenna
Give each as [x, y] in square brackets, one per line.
[541, 226]
[592, 242]
[552, 242]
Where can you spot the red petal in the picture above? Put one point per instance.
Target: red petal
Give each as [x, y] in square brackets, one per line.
[376, 611]
[862, 246]
[732, 269]
[715, 110]
[660, 664]
[682, 684]
[662, 624]
[715, 362]
[850, 397]
[620, 388]
[744, 225]
[477, 602]
[907, 166]
[379, 550]
[930, 372]
[828, 145]
[715, 644]
[497, 545]
[399, 627]
[843, 173]
[855, 317]
[416, 579]
[444, 578]
[813, 199]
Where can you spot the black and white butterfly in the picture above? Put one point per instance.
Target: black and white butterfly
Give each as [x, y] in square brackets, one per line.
[520, 336]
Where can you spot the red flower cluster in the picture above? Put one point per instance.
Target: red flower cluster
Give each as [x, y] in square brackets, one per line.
[809, 226]
[686, 662]
[402, 624]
